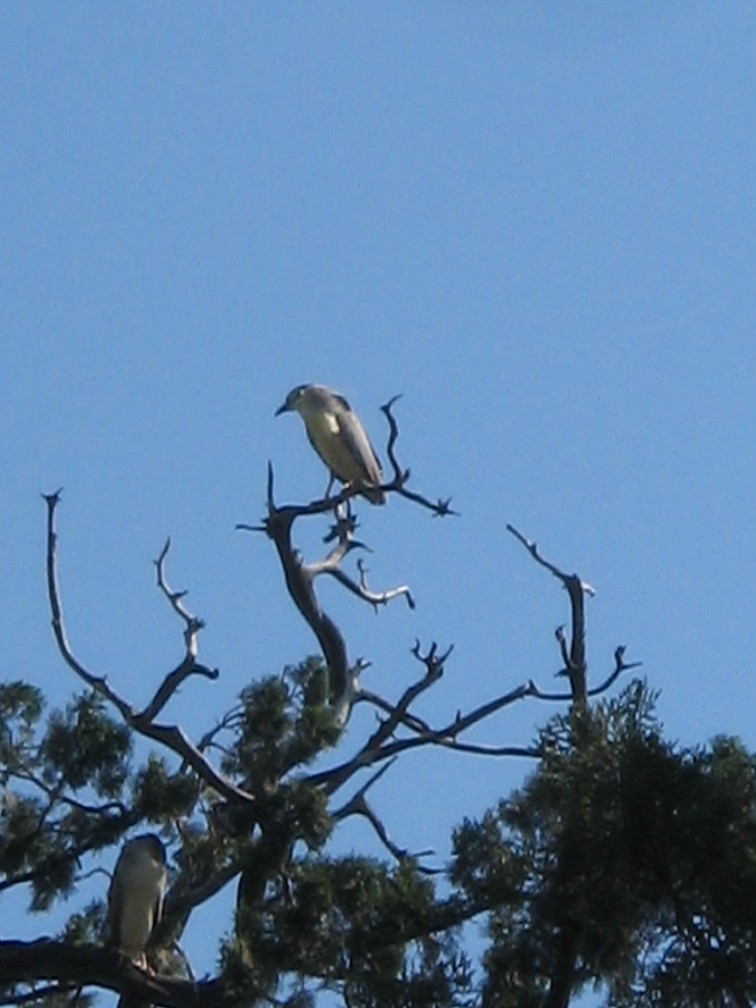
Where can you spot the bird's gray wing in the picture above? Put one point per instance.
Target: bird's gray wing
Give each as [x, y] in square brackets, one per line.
[359, 447]
[115, 905]
[341, 401]
[356, 437]
[157, 908]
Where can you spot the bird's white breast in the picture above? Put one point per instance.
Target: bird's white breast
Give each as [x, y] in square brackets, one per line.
[325, 434]
[143, 884]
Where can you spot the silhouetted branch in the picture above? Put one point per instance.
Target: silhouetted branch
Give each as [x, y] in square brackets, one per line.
[381, 745]
[170, 736]
[620, 666]
[440, 507]
[299, 582]
[192, 626]
[359, 805]
[573, 656]
[92, 965]
[362, 591]
[573, 651]
[37, 995]
[371, 750]
[300, 577]
[98, 683]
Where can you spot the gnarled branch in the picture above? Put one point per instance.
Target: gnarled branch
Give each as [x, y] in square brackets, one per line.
[170, 736]
[92, 965]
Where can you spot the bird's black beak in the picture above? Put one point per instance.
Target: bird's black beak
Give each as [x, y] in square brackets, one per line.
[281, 409]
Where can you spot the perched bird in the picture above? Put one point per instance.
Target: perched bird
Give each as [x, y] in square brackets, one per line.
[135, 897]
[338, 437]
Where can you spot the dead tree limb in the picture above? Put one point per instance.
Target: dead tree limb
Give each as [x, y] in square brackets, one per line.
[172, 737]
[300, 576]
[359, 805]
[188, 666]
[573, 655]
[91, 965]
[440, 507]
[382, 745]
[572, 651]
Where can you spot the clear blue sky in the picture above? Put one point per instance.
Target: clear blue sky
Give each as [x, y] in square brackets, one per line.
[534, 220]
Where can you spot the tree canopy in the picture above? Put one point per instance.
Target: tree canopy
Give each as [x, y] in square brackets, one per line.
[624, 861]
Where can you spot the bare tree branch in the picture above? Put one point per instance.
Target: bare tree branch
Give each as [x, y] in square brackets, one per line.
[92, 965]
[368, 754]
[300, 576]
[192, 626]
[620, 666]
[573, 651]
[440, 507]
[575, 667]
[299, 582]
[362, 591]
[170, 736]
[98, 683]
[378, 748]
[358, 805]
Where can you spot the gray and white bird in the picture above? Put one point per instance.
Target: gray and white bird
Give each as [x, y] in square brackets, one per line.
[136, 894]
[336, 434]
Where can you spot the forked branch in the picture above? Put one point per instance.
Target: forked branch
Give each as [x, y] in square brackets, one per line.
[188, 666]
[359, 805]
[91, 965]
[439, 507]
[572, 650]
[300, 576]
[382, 745]
[170, 736]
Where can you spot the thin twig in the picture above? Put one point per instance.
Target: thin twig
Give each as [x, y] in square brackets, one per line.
[97, 683]
[188, 666]
[620, 666]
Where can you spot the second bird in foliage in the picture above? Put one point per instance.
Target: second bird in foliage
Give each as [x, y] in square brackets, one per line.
[135, 897]
[338, 437]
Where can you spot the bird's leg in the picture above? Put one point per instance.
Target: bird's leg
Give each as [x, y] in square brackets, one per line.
[331, 478]
[339, 515]
[344, 511]
[139, 960]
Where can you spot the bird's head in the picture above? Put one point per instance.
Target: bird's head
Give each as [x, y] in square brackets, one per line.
[148, 844]
[294, 401]
[306, 399]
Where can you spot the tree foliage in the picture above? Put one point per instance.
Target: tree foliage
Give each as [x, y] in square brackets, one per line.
[623, 860]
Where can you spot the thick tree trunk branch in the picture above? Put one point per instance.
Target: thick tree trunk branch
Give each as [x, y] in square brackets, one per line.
[562, 980]
[92, 965]
[299, 582]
